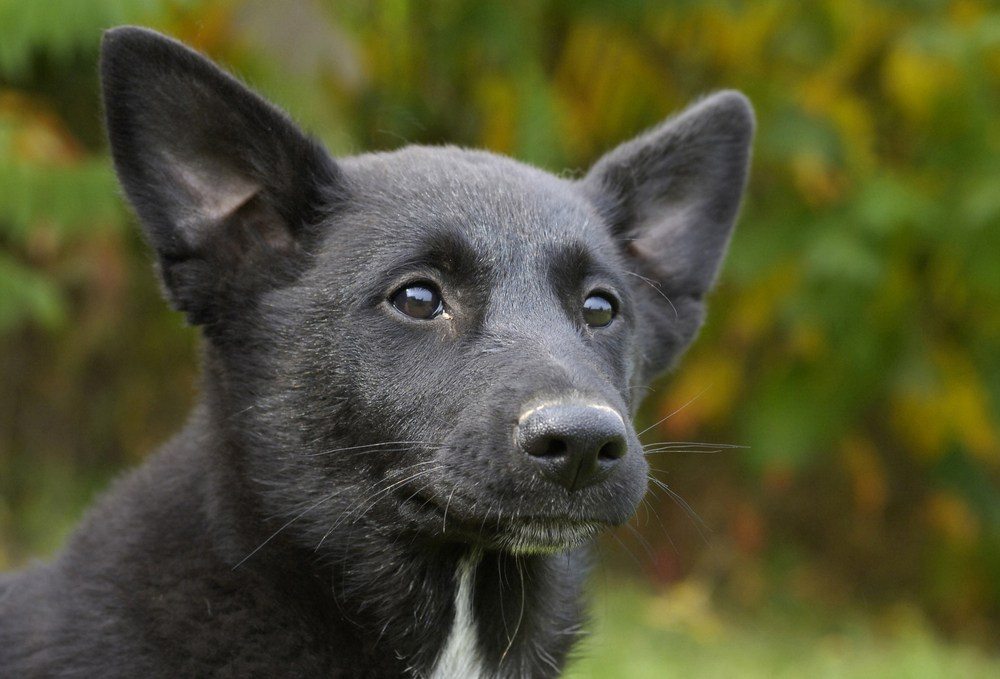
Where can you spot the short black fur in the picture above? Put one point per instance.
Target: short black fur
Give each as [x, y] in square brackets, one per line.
[346, 464]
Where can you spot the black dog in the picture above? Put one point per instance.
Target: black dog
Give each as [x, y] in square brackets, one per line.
[419, 370]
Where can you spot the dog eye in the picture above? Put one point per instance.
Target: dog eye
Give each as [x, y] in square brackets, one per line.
[418, 300]
[598, 310]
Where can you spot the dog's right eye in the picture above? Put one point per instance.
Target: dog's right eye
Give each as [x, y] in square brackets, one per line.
[418, 300]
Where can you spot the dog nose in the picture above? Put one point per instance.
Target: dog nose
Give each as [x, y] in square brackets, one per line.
[574, 444]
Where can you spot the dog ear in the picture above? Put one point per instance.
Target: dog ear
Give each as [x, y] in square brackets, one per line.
[670, 197]
[225, 185]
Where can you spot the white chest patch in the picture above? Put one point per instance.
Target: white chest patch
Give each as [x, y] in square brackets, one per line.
[460, 659]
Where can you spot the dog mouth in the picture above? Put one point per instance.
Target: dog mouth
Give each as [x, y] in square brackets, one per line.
[547, 536]
[522, 535]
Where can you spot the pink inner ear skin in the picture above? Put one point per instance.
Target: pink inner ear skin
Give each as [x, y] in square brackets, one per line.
[216, 192]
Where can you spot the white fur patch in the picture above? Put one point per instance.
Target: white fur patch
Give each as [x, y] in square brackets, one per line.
[460, 656]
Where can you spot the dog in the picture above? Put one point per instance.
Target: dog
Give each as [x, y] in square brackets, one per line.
[419, 372]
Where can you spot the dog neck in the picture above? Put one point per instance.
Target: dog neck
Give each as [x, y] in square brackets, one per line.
[476, 614]
[512, 616]
[460, 656]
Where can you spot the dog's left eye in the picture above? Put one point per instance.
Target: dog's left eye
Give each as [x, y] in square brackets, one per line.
[598, 310]
[418, 300]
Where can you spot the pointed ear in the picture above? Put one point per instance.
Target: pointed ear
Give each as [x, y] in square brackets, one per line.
[225, 185]
[671, 196]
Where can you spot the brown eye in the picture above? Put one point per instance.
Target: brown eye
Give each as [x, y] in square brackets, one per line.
[598, 310]
[419, 300]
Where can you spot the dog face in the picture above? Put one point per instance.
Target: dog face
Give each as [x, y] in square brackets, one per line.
[434, 342]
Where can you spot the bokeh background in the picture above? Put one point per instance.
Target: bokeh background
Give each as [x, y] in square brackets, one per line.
[853, 346]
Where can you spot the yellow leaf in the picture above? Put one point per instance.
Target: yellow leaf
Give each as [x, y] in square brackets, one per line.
[966, 408]
[807, 341]
[755, 314]
[952, 407]
[951, 516]
[497, 101]
[917, 81]
[916, 420]
[867, 473]
[39, 136]
[817, 181]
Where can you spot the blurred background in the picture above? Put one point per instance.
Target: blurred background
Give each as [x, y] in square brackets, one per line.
[852, 348]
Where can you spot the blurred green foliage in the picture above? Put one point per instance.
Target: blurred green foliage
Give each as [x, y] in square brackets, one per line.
[853, 343]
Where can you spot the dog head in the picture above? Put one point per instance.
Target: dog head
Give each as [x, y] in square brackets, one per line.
[435, 341]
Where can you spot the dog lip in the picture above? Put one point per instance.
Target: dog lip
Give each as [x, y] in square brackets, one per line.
[556, 521]
[546, 535]
[516, 534]
[519, 535]
[430, 502]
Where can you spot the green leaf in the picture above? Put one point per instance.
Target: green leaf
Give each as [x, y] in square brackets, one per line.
[28, 296]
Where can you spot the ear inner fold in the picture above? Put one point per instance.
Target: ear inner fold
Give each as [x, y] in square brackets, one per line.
[215, 173]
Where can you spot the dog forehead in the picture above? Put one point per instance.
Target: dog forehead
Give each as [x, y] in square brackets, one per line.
[496, 203]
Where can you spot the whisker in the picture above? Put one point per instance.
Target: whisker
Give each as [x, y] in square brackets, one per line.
[502, 582]
[693, 451]
[407, 449]
[693, 447]
[642, 541]
[520, 615]
[695, 398]
[699, 524]
[444, 521]
[366, 446]
[693, 444]
[650, 507]
[628, 551]
[482, 526]
[420, 490]
[289, 523]
[373, 499]
[376, 490]
[656, 286]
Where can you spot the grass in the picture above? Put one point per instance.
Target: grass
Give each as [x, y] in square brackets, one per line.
[642, 636]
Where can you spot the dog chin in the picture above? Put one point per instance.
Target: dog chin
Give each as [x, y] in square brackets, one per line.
[547, 536]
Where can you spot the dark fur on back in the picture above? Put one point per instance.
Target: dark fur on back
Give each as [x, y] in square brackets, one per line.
[346, 462]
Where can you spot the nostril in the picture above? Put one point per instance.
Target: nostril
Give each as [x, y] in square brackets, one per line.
[555, 448]
[612, 450]
[547, 447]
